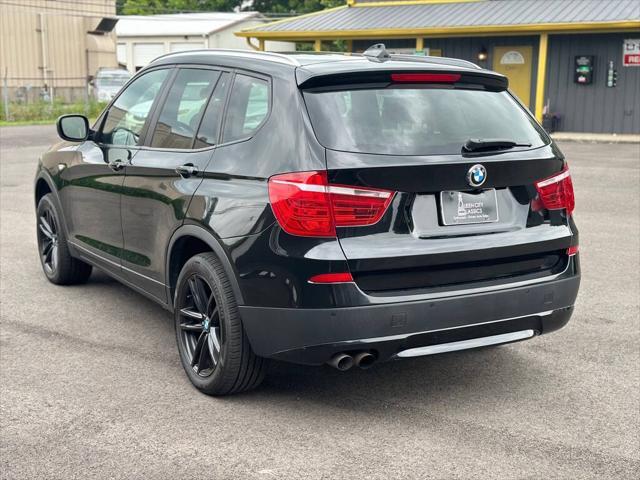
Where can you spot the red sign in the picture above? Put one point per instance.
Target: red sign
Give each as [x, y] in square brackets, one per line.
[631, 53]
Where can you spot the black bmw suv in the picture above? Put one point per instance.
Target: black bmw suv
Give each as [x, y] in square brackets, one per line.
[340, 209]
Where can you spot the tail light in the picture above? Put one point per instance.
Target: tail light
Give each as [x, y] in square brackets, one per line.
[332, 278]
[306, 205]
[556, 192]
[425, 77]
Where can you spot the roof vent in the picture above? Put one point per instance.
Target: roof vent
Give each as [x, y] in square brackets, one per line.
[106, 25]
[377, 53]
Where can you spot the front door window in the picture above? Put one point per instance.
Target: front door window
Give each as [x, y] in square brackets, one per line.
[128, 114]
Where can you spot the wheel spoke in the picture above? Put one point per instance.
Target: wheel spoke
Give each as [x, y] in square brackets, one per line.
[205, 360]
[198, 294]
[198, 349]
[54, 257]
[191, 327]
[47, 225]
[46, 249]
[215, 318]
[45, 231]
[214, 344]
[191, 314]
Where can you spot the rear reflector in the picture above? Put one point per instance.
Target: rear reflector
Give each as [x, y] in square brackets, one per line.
[572, 250]
[332, 278]
[306, 205]
[556, 192]
[425, 77]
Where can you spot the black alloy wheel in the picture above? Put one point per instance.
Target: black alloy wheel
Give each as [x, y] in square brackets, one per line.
[201, 331]
[59, 266]
[48, 240]
[214, 349]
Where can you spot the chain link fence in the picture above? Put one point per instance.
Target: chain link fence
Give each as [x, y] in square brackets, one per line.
[26, 99]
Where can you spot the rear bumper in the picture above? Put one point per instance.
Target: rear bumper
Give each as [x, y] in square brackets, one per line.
[312, 336]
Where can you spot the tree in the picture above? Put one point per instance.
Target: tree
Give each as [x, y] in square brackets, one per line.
[154, 7]
[298, 7]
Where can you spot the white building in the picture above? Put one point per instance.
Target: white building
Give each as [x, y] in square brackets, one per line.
[143, 38]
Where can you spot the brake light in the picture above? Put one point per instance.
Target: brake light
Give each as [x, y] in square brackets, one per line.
[306, 205]
[556, 192]
[332, 278]
[425, 77]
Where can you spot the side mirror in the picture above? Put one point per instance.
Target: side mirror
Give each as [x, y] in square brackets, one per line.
[73, 128]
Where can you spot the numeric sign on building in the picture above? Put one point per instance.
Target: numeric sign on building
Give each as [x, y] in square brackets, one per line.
[631, 52]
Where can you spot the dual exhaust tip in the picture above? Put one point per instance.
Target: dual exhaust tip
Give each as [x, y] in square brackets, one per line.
[344, 361]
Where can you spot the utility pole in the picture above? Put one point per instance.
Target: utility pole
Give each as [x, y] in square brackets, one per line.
[5, 94]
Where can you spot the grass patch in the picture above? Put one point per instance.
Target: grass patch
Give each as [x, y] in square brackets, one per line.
[42, 113]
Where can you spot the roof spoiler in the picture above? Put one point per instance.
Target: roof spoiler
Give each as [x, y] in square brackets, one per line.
[383, 77]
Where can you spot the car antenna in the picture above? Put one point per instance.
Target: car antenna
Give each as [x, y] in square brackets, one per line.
[377, 53]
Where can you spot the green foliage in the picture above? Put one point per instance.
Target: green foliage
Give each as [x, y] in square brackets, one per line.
[44, 111]
[294, 6]
[153, 7]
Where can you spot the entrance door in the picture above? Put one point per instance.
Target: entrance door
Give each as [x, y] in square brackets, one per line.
[515, 64]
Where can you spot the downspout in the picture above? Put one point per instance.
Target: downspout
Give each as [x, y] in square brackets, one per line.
[43, 46]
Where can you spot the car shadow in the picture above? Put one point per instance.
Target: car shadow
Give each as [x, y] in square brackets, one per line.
[462, 377]
[481, 374]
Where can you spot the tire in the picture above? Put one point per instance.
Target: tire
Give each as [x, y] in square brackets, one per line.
[214, 349]
[57, 263]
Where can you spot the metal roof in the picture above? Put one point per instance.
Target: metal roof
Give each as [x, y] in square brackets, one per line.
[196, 24]
[423, 16]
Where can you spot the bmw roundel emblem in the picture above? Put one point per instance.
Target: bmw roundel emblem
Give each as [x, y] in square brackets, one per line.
[476, 175]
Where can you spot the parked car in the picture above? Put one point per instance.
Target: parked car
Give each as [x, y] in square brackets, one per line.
[316, 209]
[108, 82]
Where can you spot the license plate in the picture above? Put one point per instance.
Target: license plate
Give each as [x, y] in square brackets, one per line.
[464, 208]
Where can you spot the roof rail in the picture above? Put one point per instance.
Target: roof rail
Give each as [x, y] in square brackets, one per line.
[238, 53]
[455, 62]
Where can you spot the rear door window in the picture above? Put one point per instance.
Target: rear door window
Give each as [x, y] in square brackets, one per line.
[210, 125]
[417, 120]
[183, 108]
[248, 107]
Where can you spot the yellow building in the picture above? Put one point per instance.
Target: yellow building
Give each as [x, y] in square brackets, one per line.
[50, 48]
[575, 62]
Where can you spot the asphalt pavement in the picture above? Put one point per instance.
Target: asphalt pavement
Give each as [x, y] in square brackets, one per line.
[92, 387]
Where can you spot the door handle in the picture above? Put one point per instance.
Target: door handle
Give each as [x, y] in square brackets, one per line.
[117, 165]
[186, 171]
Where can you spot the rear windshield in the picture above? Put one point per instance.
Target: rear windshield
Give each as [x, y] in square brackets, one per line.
[417, 120]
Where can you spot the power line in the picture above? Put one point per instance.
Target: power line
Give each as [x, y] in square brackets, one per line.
[71, 12]
[150, 9]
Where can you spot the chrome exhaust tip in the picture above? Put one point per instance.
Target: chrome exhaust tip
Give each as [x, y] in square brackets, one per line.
[341, 361]
[364, 360]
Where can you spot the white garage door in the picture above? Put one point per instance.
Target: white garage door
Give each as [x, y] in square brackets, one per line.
[121, 53]
[185, 46]
[143, 53]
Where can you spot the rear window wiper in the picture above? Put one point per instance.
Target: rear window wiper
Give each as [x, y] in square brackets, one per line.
[482, 145]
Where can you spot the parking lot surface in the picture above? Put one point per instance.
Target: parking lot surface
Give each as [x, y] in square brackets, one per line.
[92, 386]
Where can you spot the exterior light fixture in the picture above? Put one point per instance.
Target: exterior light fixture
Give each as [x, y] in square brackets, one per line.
[483, 54]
